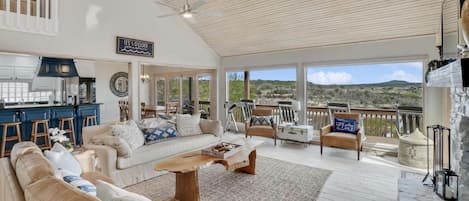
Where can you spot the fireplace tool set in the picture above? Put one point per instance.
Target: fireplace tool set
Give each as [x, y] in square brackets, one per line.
[445, 180]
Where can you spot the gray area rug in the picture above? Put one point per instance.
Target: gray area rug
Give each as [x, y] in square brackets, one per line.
[274, 180]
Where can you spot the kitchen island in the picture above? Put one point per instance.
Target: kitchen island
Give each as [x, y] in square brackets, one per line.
[25, 113]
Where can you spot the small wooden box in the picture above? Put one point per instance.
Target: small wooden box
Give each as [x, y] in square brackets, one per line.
[211, 151]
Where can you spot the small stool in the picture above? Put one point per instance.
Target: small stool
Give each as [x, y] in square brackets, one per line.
[71, 128]
[5, 138]
[45, 133]
[89, 120]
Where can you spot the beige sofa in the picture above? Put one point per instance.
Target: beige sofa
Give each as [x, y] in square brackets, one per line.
[140, 165]
[28, 176]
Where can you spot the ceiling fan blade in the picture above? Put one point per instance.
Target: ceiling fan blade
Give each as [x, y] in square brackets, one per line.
[165, 4]
[167, 15]
[210, 13]
[198, 4]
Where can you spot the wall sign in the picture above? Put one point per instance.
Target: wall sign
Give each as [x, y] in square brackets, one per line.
[135, 47]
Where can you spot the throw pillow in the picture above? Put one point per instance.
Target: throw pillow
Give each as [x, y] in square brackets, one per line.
[98, 139]
[78, 182]
[151, 123]
[211, 127]
[61, 158]
[262, 121]
[345, 125]
[160, 133]
[120, 145]
[130, 133]
[188, 125]
[108, 192]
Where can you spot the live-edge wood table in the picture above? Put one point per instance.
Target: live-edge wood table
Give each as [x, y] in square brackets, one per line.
[187, 165]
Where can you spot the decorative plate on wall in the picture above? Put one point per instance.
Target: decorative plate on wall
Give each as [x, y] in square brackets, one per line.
[119, 84]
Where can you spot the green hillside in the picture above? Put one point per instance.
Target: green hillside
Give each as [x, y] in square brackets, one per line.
[375, 95]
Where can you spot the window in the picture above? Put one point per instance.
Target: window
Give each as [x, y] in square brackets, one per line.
[20, 92]
[271, 86]
[236, 86]
[160, 88]
[174, 88]
[267, 87]
[186, 90]
[367, 86]
[204, 88]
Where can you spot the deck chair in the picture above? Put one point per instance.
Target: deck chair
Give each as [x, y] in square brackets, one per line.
[288, 115]
[247, 106]
[333, 108]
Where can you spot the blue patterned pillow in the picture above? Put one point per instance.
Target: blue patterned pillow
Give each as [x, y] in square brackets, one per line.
[262, 121]
[345, 125]
[78, 182]
[157, 134]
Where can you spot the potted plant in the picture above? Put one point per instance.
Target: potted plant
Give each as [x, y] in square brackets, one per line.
[58, 136]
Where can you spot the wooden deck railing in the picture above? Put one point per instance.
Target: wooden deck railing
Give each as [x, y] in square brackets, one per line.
[377, 122]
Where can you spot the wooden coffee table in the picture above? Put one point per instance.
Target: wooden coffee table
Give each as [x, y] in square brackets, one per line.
[186, 167]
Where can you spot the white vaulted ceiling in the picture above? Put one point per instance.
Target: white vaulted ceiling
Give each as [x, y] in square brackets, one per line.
[254, 26]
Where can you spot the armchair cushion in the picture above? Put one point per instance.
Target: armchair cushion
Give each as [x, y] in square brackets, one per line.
[261, 121]
[345, 125]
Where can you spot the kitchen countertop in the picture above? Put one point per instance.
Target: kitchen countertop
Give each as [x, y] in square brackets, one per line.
[21, 106]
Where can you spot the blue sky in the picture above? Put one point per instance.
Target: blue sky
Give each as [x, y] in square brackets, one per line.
[357, 74]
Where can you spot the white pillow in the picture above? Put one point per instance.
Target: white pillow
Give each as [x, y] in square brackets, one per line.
[188, 125]
[130, 133]
[78, 182]
[62, 159]
[152, 123]
[108, 192]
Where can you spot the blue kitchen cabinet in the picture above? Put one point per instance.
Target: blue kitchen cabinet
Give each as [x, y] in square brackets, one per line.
[30, 114]
[85, 110]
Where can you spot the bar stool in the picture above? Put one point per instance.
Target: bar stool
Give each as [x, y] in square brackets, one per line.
[89, 120]
[71, 128]
[5, 138]
[44, 134]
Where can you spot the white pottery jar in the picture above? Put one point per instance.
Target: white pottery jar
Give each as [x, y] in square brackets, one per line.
[413, 150]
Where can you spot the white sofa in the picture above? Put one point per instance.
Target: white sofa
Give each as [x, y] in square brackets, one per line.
[140, 165]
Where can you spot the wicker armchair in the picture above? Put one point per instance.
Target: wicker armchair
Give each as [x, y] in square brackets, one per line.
[343, 140]
[261, 130]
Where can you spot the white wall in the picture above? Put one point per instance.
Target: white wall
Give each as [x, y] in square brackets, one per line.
[104, 72]
[88, 30]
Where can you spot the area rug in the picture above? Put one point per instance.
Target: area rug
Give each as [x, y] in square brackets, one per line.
[274, 180]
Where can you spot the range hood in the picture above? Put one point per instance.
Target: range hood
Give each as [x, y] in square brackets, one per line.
[57, 67]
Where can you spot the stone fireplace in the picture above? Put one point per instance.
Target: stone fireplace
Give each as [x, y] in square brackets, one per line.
[459, 121]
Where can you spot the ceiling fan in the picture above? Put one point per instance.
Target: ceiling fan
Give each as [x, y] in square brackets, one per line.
[188, 10]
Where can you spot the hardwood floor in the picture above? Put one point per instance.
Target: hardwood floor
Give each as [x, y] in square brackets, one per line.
[373, 178]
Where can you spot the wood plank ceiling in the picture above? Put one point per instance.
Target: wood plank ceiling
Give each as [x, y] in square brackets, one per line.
[255, 26]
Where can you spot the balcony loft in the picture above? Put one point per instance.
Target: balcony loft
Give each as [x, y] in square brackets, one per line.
[31, 16]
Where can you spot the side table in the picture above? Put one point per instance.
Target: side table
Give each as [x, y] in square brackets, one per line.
[298, 133]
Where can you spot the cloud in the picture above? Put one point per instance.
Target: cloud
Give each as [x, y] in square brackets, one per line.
[416, 65]
[402, 75]
[327, 78]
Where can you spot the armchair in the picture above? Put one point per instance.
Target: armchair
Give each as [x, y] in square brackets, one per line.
[261, 130]
[343, 140]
